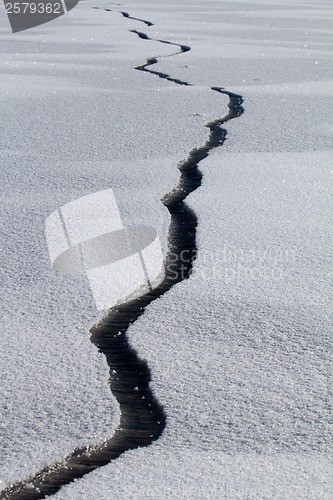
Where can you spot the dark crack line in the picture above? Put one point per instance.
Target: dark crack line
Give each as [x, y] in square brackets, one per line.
[147, 23]
[153, 60]
[142, 418]
[144, 36]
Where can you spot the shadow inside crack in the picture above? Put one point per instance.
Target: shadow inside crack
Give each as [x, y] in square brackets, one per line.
[142, 417]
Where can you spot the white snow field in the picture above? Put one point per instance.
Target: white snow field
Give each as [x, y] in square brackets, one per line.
[239, 353]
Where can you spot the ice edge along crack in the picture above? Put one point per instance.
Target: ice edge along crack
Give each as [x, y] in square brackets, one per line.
[142, 417]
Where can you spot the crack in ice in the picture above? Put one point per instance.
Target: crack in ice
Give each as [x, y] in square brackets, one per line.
[142, 417]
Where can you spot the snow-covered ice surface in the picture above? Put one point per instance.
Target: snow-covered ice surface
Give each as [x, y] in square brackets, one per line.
[75, 118]
[239, 353]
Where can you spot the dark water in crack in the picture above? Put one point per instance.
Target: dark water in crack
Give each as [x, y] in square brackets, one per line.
[126, 14]
[142, 417]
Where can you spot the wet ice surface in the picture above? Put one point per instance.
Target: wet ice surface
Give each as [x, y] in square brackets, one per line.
[239, 353]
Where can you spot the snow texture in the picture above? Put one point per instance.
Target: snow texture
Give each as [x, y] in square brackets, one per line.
[239, 353]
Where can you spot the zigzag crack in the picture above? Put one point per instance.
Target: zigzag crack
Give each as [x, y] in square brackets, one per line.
[142, 417]
[147, 23]
[153, 60]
